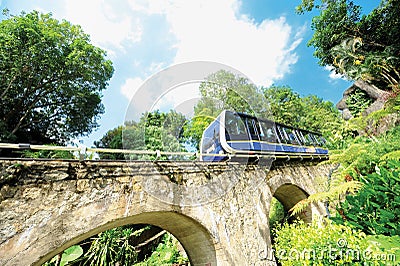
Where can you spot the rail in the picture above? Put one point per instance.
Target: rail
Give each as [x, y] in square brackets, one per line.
[83, 151]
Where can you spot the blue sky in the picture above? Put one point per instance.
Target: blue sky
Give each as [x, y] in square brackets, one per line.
[264, 39]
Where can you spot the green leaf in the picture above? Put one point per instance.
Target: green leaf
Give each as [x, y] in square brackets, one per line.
[70, 254]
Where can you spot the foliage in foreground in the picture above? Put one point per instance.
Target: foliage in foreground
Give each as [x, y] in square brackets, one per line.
[114, 247]
[69, 255]
[355, 163]
[375, 209]
[361, 157]
[277, 213]
[166, 253]
[327, 243]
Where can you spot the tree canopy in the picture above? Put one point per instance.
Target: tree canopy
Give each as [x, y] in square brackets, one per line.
[223, 90]
[51, 80]
[308, 112]
[154, 131]
[363, 48]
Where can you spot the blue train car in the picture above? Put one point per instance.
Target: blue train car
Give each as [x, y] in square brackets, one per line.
[234, 134]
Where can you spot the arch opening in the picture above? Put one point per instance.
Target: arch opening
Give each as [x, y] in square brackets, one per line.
[194, 240]
[289, 195]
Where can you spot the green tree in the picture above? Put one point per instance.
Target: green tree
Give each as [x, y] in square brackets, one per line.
[223, 90]
[113, 140]
[309, 112]
[193, 129]
[154, 131]
[166, 253]
[51, 80]
[67, 257]
[364, 48]
[112, 247]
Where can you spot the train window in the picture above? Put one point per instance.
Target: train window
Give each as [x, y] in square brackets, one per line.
[316, 140]
[309, 139]
[208, 144]
[282, 134]
[312, 139]
[293, 139]
[292, 136]
[300, 137]
[235, 128]
[322, 140]
[267, 132]
[257, 127]
[252, 128]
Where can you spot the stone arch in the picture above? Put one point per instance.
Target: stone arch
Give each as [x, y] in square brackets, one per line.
[291, 184]
[289, 195]
[195, 239]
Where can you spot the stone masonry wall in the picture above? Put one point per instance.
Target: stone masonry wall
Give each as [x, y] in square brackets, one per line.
[218, 211]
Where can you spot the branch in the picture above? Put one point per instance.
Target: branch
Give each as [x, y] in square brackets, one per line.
[36, 121]
[25, 115]
[8, 87]
[65, 101]
[29, 91]
[29, 109]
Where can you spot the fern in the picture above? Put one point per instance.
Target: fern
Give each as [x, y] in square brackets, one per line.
[355, 162]
[394, 155]
[331, 195]
[376, 208]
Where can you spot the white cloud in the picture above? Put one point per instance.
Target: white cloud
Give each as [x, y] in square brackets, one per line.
[332, 74]
[214, 31]
[210, 30]
[181, 98]
[150, 7]
[105, 24]
[155, 67]
[130, 87]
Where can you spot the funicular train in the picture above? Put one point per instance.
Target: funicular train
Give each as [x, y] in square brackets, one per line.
[239, 135]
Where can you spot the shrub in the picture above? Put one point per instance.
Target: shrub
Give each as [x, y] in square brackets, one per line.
[320, 243]
[375, 209]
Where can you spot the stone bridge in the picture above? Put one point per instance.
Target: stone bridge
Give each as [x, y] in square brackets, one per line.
[218, 211]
